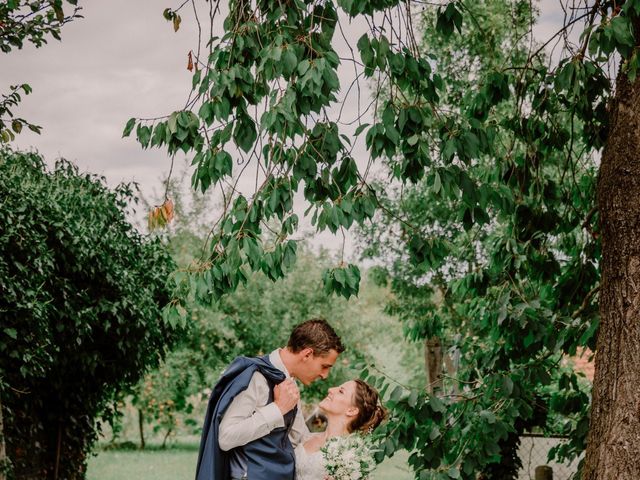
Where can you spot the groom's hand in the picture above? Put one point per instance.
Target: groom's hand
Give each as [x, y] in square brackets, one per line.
[286, 395]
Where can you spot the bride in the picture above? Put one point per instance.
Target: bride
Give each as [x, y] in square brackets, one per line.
[351, 407]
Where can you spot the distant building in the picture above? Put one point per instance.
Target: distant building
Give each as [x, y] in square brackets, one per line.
[583, 362]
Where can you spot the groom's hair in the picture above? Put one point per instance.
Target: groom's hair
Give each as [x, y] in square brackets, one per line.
[316, 334]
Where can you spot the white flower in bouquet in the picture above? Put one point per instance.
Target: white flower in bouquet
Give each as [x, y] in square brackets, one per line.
[348, 458]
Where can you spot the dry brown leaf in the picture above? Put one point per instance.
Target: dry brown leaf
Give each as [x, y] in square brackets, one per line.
[167, 210]
[160, 216]
[190, 62]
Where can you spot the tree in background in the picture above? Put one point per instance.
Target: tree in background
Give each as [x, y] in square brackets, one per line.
[505, 288]
[27, 21]
[266, 87]
[80, 296]
[255, 320]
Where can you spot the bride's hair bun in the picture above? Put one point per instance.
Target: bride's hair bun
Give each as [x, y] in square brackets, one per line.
[370, 411]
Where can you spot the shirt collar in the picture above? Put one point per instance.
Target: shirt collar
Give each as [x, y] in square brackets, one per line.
[276, 360]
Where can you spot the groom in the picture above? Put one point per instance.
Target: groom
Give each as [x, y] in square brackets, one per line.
[253, 420]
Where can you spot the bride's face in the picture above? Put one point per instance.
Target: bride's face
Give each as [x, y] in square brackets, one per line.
[339, 400]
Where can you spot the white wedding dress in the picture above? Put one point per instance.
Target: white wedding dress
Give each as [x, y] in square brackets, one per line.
[309, 466]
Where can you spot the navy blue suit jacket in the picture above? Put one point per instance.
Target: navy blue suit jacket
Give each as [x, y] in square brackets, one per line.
[213, 463]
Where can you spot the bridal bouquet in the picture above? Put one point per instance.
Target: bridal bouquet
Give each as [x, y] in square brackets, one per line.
[348, 458]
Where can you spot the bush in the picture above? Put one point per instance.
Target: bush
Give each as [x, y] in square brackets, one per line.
[80, 296]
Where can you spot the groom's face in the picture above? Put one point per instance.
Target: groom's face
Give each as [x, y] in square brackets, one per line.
[316, 367]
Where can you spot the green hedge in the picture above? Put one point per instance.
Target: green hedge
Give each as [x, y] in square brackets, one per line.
[80, 298]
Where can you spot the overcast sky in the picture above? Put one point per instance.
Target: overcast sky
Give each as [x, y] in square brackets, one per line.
[122, 60]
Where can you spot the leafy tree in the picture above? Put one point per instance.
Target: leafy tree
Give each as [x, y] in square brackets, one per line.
[80, 295]
[463, 288]
[267, 86]
[27, 21]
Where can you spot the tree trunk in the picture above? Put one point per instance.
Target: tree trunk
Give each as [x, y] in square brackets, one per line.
[4, 460]
[613, 447]
[433, 364]
[164, 442]
[141, 428]
[56, 469]
[544, 472]
[39, 445]
[451, 368]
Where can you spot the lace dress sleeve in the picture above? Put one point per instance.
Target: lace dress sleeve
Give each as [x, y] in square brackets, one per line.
[309, 466]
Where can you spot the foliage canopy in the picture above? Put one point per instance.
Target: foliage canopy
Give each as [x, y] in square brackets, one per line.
[501, 146]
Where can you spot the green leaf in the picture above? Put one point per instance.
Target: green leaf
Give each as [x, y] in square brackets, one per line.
[245, 133]
[143, 134]
[448, 19]
[303, 66]
[360, 129]
[352, 277]
[396, 394]
[589, 332]
[57, 8]
[196, 78]
[366, 50]
[488, 416]
[470, 145]
[396, 62]
[388, 116]
[289, 61]
[507, 386]
[437, 183]
[182, 315]
[129, 127]
[436, 404]
[172, 123]
[621, 27]
[453, 472]
[11, 332]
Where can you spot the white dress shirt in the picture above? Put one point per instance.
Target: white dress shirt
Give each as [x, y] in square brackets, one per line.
[250, 416]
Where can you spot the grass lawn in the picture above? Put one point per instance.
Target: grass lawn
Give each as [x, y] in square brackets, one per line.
[179, 463]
